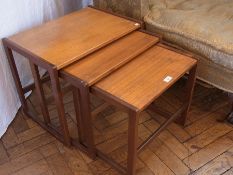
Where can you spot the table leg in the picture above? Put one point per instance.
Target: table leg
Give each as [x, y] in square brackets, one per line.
[59, 104]
[40, 92]
[87, 120]
[15, 75]
[188, 94]
[76, 97]
[132, 142]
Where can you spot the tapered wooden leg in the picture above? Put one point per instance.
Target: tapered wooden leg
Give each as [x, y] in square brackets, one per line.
[132, 142]
[87, 120]
[40, 92]
[76, 97]
[59, 104]
[16, 77]
[188, 94]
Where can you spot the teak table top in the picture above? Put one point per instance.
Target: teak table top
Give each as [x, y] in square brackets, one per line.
[142, 80]
[102, 62]
[69, 38]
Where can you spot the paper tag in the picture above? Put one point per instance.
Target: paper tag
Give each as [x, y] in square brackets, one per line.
[167, 79]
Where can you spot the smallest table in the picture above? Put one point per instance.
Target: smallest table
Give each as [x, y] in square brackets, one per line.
[137, 84]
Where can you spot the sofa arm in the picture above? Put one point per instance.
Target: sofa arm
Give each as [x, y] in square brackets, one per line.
[130, 8]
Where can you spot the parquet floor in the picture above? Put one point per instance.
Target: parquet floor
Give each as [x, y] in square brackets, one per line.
[203, 146]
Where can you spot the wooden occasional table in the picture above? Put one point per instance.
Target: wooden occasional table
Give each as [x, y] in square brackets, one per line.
[137, 84]
[86, 72]
[57, 44]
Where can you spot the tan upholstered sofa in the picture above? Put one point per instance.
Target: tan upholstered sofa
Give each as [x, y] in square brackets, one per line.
[204, 27]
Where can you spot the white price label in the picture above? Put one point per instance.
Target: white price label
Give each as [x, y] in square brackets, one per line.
[167, 79]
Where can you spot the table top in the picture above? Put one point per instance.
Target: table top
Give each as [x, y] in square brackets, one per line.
[69, 38]
[101, 63]
[138, 83]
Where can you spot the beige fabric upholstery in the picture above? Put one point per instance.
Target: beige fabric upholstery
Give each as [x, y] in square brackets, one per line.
[202, 26]
[215, 74]
[130, 8]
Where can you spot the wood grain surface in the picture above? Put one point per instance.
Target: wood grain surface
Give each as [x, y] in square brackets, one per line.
[101, 63]
[140, 81]
[69, 38]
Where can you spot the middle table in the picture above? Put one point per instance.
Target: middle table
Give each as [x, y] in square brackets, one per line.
[84, 73]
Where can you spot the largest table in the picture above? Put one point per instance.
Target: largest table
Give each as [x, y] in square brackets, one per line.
[59, 43]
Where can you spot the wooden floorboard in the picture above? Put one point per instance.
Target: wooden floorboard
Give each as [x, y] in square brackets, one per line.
[204, 146]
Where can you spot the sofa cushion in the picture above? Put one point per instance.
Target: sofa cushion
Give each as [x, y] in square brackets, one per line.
[202, 26]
